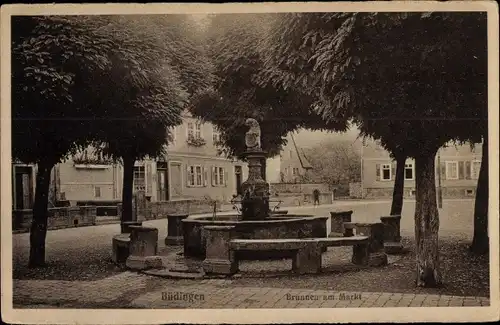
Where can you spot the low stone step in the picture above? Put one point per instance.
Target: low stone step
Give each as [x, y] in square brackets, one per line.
[166, 273]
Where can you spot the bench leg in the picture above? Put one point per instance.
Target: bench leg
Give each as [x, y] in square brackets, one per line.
[360, 254]
[308, 260]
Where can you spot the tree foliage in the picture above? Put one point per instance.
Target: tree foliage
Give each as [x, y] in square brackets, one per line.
[232, 46]
[416, 78]
[334, 162]
[118, 82]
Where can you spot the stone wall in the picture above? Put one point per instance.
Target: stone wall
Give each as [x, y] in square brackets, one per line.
[306, 188]
[355, 190]
[409, 193]
[292, 199]
[64, 217]
[158, 210]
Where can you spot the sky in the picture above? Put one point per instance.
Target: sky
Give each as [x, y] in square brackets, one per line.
[308, 139]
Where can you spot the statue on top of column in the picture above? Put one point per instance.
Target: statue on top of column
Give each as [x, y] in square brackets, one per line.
[252, 137]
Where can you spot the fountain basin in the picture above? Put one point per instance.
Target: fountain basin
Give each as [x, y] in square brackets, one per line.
[274, 227]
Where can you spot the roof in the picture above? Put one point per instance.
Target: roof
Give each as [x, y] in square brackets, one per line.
[302, 157]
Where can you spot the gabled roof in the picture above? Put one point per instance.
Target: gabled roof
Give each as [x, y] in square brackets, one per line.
[302, 157]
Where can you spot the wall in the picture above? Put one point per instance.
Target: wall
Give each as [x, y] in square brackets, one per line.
[208, 189]
[304, 188]
[294, 199]
[159, 210]
[79, 183]
[58, 218]
[289, 159]
[273, 169]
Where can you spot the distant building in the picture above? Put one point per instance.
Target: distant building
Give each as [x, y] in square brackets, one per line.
[294, 165]
[459, 170]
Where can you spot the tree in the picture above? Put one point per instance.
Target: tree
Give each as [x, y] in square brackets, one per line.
[334, 162]
[232, 46]
[47, 122]
[378, 66]
[172, 60]
[74, 79]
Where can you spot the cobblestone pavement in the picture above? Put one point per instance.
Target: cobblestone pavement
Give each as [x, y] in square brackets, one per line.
[132, 290]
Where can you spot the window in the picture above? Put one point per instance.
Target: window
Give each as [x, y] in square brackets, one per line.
[139, 178]
[215, 135]
[452, 170]
[218, 176]
[97, 191]
[469, 192]
[386, 172]
[295, 172]
[475, 167]
[409, 171]
[195, 176]
[291, 154]
[194, 130]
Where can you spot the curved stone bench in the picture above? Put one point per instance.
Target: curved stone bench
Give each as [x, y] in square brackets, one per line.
[143, 249]
[121, 246]
[338, 218]
[221, 250]
[174, 229]
[392, 234]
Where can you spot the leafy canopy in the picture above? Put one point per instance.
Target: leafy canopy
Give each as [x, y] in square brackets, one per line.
[233, 48]
[412, 80]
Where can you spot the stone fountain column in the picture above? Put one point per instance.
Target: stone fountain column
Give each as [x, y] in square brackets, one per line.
[255, 201]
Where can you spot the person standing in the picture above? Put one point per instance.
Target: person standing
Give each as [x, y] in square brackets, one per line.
[316, 197]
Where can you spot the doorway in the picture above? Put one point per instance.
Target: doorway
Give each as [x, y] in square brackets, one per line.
[23, 187]
[162, 173]
[238, 176]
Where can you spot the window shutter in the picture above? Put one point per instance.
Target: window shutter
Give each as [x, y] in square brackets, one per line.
[461, 171]
[225, 176]
[443, 170]
[213, 175]
[393, 170]
[149, 178]
[468, 166]
[377, 173]
[205, 176]
[188, 175]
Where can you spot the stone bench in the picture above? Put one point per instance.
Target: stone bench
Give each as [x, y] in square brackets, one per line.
[174, 229]
[307, 252]
[392, 234]
[121, 245]
[306, 257]
[337, 221]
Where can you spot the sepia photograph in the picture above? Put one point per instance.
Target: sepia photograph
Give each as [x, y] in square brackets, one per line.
[292, 162]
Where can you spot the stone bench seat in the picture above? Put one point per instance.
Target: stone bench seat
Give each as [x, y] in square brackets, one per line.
[121, 248]
[293, 244]
[307, 252]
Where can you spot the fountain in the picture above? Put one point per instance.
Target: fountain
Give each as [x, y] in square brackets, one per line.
[255, 220]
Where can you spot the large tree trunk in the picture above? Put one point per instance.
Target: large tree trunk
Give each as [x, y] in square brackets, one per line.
[128, 188]
[480, 242]
[399, 185]
[426, 223]
[38, 231]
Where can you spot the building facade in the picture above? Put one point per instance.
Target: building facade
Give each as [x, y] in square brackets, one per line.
[294, 165]
[191, 169]
[457, 167]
